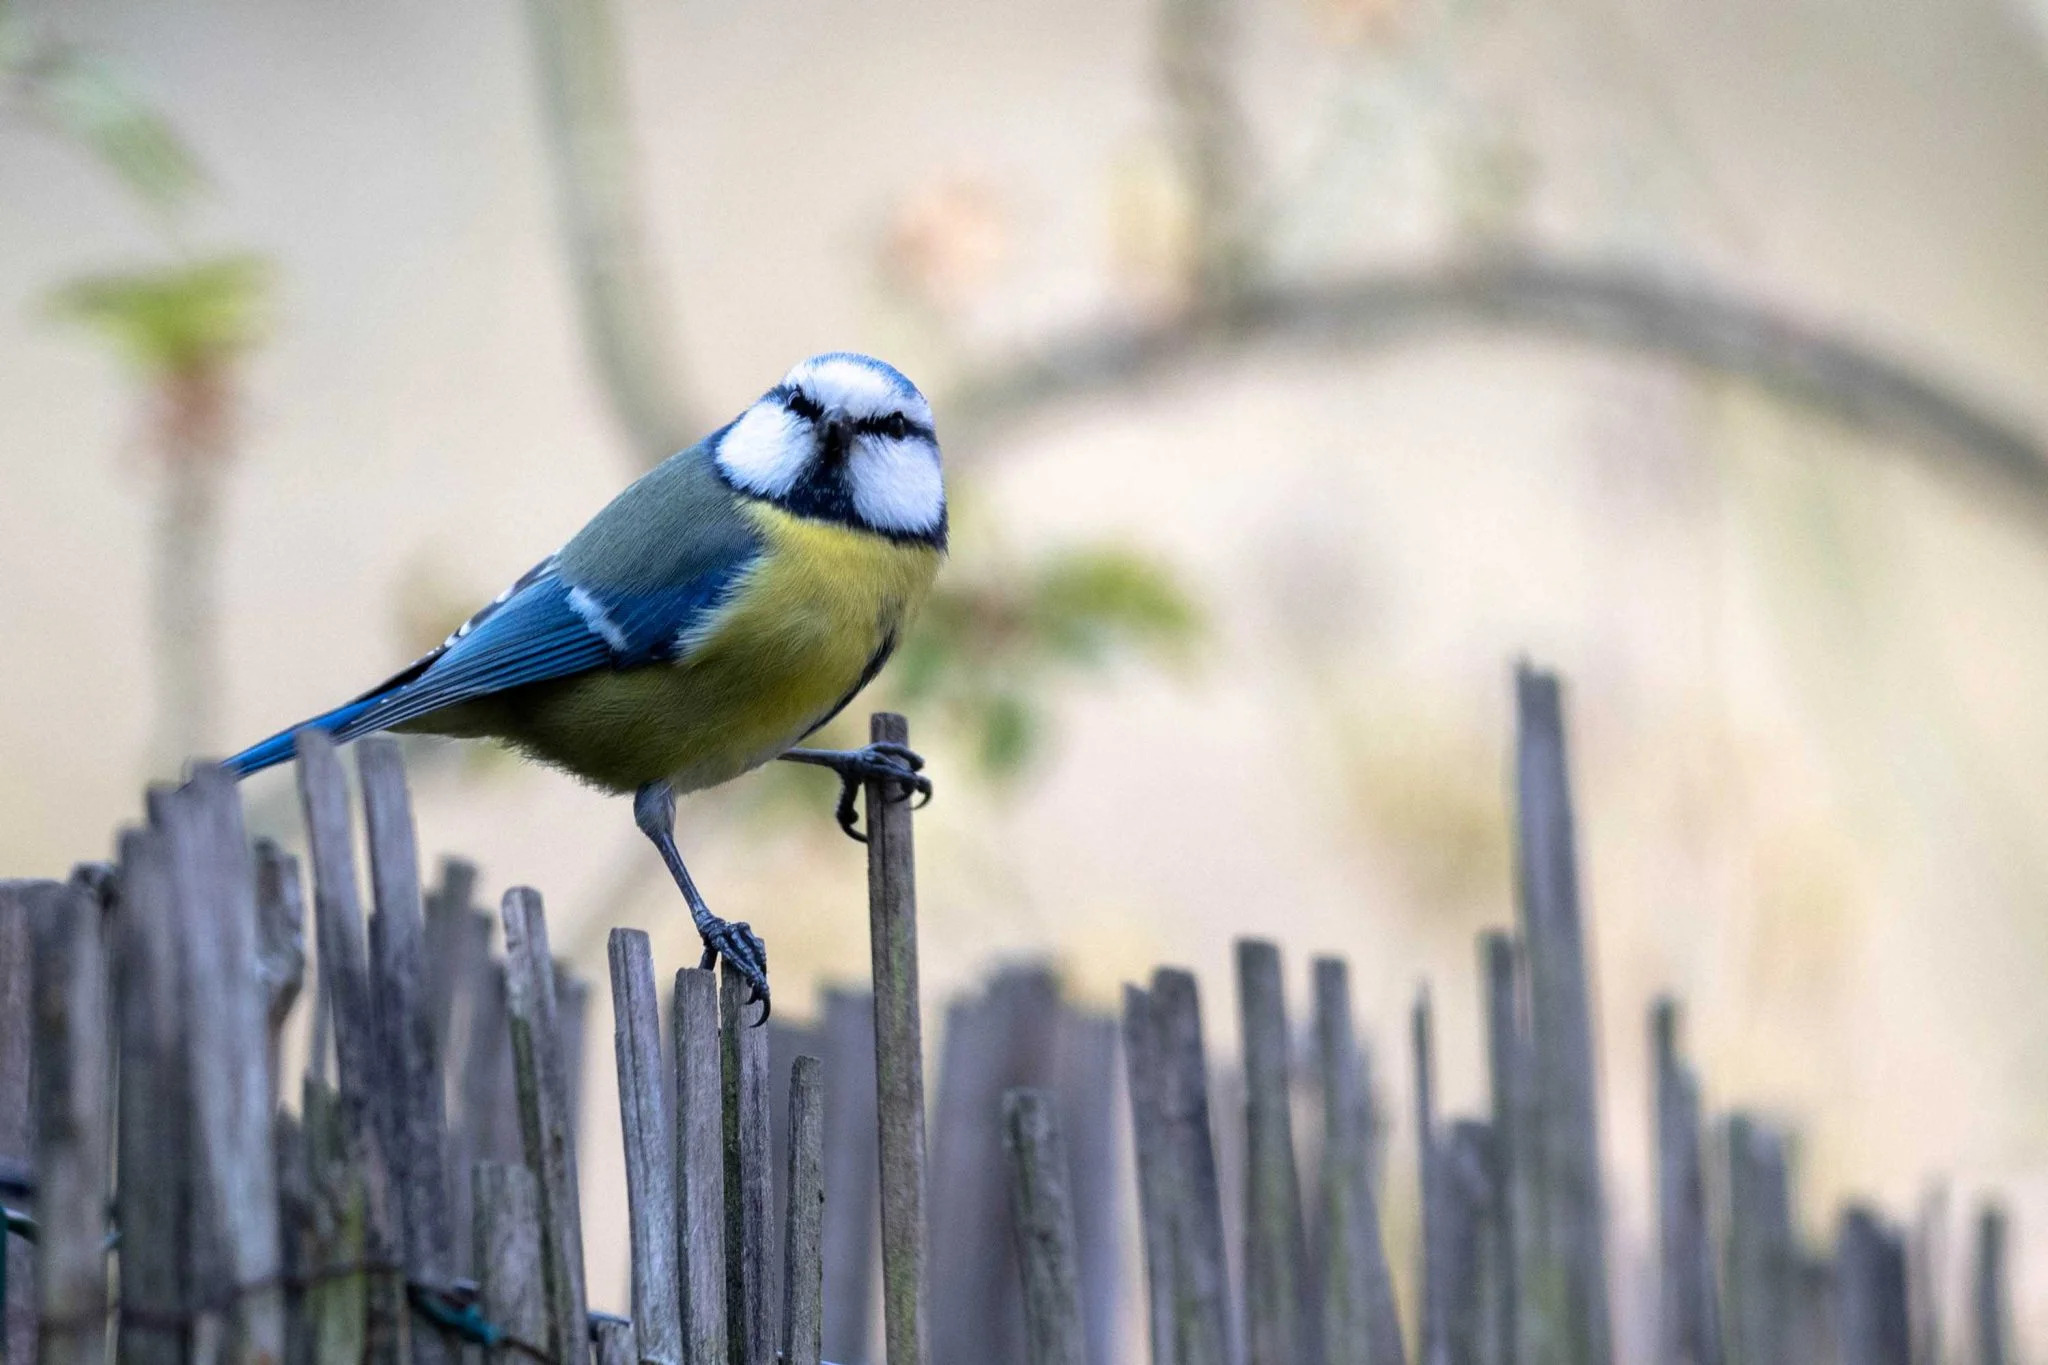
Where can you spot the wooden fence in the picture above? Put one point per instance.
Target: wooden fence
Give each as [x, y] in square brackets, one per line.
[422, 1201]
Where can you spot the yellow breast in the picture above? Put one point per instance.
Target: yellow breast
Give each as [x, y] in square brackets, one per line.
[793, 640]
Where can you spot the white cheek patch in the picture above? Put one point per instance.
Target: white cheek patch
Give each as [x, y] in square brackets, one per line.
[766, 450]
[896, 485]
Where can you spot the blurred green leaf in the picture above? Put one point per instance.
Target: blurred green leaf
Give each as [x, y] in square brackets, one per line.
[988, 651]
[177, 320]
[83, 101]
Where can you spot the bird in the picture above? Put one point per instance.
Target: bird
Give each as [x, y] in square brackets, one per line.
[715, 614]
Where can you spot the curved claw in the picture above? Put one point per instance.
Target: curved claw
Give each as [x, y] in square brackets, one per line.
[883, 761]
[743, 949]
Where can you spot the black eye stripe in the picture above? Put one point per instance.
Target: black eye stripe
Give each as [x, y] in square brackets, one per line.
[894, 425]
[802, 404]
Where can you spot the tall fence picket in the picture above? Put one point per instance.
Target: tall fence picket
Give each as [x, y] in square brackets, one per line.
[1688, 1315]
[803, 1266]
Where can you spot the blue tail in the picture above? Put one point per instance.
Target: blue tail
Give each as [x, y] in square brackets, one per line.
[278, 748]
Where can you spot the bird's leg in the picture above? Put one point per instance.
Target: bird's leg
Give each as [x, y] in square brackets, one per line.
[654, 810]
[897, 764]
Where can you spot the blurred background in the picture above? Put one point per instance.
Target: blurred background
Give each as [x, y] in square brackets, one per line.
[1300, 365]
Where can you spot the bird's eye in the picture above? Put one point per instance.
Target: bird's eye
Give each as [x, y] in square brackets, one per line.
[894, 427]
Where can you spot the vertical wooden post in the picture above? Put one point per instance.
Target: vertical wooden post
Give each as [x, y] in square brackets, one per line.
[1085, 1077]
[236, 1188]
[1870, 1278]
[1464, 1180]
[1688, 1318]
[1042, 1215]
[650, 1152]
[803, 1266]
[1572, 1209]
[1143, 1084]
[1432, 1336]
[154, 1187]
[544, 1119]
[511, 1263]
[899, 1061]
[1200, 1282]
[72, 1056]
[399, 986]
[1360, 1326]
[17, 1127]
[700, 1165]
[1761, 1257]
[344, 979]
[1517, 1254]
[280, 946]
[852, 1239]
[337, 1303]
[1990, 1301]
[749, 1196]
[611, 1340]
[1275, 1248]
[1926, 1265]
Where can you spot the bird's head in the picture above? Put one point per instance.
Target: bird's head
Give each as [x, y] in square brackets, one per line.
[842, 438]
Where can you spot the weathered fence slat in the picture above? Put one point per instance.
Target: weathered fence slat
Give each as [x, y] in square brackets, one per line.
[1042, 1215]
[544, 1119]
[17, 1126]
[1085, 1080]
[1275, 1246]
[700, 1164]
[1434, 1271]
[1571, 1209]
[899, 1061]
[72, 1057]
[1870, 1287]
[398, 974]
[1143, 1085]
[1926, 1263]
[852, 1172]
[611, 1340]
[1760, 1256]
[337, 1303]
[650, 1151]
[1465, 1169]
[295, 1231]
[1360, 1326]
[1688, 1317]
[280, 946]
[1990, 1298]
[1200, 1280]
[749, 1193]
[154, 1185]
[510, 1258]
[1511, 1083]
[342, 962]
[236, 1179]
[803, 1266]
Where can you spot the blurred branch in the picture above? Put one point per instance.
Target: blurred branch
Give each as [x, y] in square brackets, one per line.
[1211, 146]
[1607, 305]
[625, 319]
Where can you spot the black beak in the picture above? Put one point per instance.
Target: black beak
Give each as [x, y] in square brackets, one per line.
[837, 436]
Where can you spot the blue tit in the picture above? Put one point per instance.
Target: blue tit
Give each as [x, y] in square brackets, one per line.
[714, 614]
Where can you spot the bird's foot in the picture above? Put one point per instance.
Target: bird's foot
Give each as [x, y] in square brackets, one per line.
[896, 764]
[743, 951]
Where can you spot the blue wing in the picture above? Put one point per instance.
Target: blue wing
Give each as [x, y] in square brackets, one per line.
[545, 626]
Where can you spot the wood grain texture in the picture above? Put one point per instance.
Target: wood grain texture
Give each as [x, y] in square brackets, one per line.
[1359, 1320]
[418, 1123]
[1275, 1255]
[749, 1193]
[1201, 1279]
[511, 1270]
[544, 1121]
[1143, 1086]
[650, 1152]
[73, 1056]
[152, 1155]
[700, 1165]
[899, 1062]
[852, 1247]
[1572, 1207]
[1510, 1068]
[1042, 1216]
[803, 1266]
